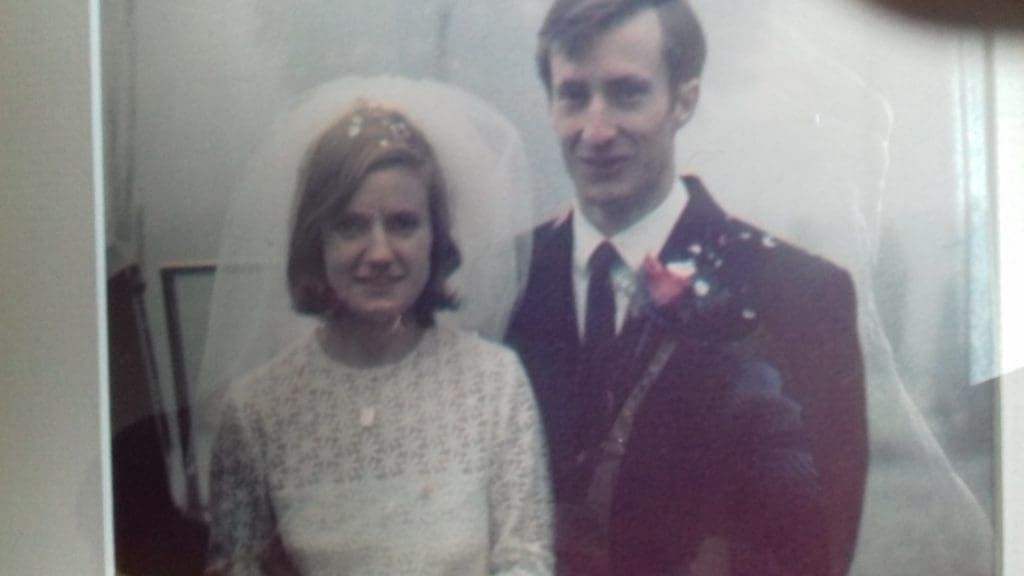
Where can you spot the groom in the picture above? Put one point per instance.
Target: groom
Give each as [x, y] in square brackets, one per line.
[701, 382]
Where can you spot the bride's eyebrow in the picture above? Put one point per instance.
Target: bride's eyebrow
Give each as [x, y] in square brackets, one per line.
[346, 218]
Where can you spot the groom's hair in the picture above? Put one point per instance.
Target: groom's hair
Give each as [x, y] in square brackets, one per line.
[572, 26]
[367, 139]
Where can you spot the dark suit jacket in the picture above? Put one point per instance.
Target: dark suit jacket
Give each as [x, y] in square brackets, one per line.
[696, 465]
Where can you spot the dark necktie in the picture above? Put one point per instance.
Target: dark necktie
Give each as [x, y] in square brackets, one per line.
[598, 339]
[599, 324]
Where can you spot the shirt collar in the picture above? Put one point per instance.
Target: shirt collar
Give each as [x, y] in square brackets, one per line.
[645, 236]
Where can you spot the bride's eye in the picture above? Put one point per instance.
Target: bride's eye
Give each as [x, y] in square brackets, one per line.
[403, 223]
[350, 225]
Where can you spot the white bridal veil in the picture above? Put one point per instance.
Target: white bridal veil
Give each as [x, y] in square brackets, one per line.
[488, 187]
[846, 132]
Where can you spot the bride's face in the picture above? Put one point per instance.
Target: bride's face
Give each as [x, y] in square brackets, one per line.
[377, 250]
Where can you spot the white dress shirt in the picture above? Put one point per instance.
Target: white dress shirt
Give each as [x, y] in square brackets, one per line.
[646, 236]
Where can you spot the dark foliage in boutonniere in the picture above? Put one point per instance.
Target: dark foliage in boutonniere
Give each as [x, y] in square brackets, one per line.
[705, 293]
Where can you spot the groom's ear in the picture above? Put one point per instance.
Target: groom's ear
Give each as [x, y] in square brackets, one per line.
[685, 98]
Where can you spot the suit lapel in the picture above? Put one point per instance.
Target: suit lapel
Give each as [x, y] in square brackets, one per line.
[554, 285]
[543, 330]
[701, 212]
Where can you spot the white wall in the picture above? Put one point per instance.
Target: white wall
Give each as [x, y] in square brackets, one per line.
[203, 92]
[50, 418]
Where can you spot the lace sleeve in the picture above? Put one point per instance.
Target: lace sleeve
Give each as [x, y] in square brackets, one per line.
[519, 487]
[241, 516]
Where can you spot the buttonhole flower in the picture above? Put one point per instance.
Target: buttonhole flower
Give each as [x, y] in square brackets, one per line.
[667, 283]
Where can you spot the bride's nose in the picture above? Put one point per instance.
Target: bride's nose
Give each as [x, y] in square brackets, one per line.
[379, 250]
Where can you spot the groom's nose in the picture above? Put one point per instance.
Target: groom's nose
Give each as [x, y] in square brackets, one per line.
[598, 126]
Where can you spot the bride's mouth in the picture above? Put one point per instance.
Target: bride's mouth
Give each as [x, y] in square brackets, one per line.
[379, 281]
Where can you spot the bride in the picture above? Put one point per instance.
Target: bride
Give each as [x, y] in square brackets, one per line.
[378, 439]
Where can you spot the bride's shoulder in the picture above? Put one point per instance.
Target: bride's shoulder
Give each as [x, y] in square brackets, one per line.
[290, 362]
[470, 345]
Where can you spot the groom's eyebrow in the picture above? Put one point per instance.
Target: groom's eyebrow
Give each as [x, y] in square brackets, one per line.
[571, 87]
[627, 83]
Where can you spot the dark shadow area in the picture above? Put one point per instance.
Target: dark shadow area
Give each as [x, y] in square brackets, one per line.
[996, 14]
[152, 536]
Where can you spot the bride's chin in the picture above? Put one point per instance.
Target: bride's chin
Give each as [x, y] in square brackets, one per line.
[383, 321]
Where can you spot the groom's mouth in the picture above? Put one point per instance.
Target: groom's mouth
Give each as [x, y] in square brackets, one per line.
[603, 166]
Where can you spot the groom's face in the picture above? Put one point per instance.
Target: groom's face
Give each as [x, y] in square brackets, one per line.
[616, 115]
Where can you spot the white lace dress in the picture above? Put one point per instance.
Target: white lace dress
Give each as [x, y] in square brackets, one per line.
[433, 465]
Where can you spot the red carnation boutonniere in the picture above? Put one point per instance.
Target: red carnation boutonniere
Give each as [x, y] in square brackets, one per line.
[667, 284]
[704, 294]
[667, 303]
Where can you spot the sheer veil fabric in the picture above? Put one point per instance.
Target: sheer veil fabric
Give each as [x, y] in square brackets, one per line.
[489, 194]
[829, 169]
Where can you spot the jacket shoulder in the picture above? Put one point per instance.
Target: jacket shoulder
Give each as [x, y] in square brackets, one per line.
[783, 257]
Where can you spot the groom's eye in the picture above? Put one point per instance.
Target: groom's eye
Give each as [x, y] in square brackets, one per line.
[628, 92]
[572, 95]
